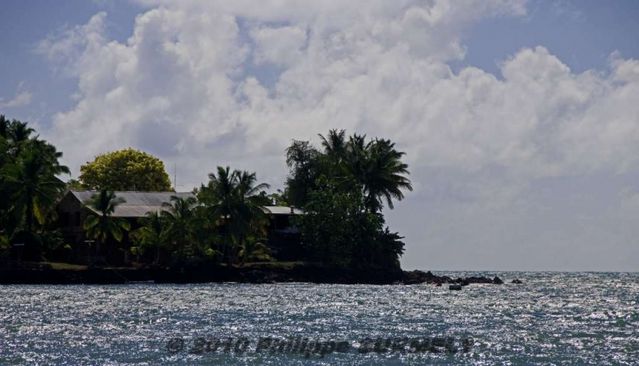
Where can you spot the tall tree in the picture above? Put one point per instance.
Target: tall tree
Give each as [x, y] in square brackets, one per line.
[304, 162]
[233, 199]
[151, 235]
[343, 188]
[335, 144]
[34, 186]
[100, 225]
[18, 134]
[29, 180]
[374, 166]
[125, 170]
[251, 219]
[379, 169]
[4, 190]
[178, 217]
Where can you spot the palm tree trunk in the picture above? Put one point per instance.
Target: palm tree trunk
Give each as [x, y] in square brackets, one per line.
[156, 261]
[96, 252]
[29, 218]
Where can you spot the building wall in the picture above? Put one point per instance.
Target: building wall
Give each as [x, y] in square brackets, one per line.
[284, 239]
[71, 216]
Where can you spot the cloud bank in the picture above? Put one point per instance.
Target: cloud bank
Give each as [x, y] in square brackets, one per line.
[493, 157]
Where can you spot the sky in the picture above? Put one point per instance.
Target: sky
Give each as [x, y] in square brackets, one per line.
[519, 119]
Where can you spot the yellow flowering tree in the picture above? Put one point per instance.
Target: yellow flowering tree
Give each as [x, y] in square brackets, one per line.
[125, 170]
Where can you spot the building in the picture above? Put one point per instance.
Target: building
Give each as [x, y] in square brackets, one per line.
[73, 208]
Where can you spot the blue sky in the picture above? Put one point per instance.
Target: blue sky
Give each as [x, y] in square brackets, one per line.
[23, 25]
[582, 34]
[519, 118]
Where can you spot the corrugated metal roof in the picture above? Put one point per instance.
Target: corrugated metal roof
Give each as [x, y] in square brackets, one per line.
[138, 204]
[282, 210]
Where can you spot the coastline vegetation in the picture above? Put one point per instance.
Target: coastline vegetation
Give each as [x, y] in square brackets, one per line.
[29, 187]
[342, 188]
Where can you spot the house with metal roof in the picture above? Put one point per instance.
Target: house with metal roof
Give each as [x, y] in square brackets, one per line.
[73, 209]
[135, 205]
[139, 204]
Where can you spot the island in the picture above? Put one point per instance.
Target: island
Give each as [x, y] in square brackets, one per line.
[121, 221]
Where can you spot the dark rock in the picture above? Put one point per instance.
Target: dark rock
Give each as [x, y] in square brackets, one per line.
[455, 287]
[444, 279]
[517, 281]
[498, 281]
[478, 280]
[207, 272]
[417, 277]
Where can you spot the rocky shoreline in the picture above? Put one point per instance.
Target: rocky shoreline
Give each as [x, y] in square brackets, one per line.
[249, 274]
[417, 277]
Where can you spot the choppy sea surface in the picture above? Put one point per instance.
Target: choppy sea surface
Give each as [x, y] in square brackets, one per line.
[552, 318]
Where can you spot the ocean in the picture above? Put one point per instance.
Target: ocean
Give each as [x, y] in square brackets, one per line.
[551, 319]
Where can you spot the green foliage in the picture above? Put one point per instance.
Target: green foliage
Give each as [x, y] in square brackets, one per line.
[279, 198]
[100, 225]
[254, 250]
[29, 170]
[234, 199]
[306, 166]
[374, 167]
[34, 185]
[4, 245]
[179, 219]
[330, 225]
[224, 222]
[151, 236]
[53, 244]
[338, 230]
[343, 188]
[377, 167]
[125, 170]
[178, 234]
[75, 185]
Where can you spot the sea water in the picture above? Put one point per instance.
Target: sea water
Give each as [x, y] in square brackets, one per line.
[552, 318]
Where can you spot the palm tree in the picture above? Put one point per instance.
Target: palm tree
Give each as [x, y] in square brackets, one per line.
[5, 159]
[33, 186]
[100, 225]
[4, 126]
[178, 217]
[19, 131]
[382, 175]
[375, 167]
[252, 219]
[233, 198]
[29, 183]
[334, 144]
[18, 134]
[152, 234]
